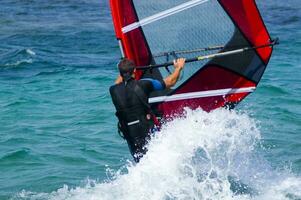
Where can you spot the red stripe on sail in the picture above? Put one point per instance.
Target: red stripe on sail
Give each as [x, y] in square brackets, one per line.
[209, 78]
[134, 45]
[246, 16]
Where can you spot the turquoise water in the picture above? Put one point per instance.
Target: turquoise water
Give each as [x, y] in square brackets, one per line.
[58, 135]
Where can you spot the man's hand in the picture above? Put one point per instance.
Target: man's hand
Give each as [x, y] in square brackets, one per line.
[179, 63]
[173, 78]
[118, 80]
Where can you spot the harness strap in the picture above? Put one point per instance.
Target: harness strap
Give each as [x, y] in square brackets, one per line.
[133, 122]
[140, 94]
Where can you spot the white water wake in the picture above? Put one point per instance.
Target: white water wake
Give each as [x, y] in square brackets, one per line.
[201, 156]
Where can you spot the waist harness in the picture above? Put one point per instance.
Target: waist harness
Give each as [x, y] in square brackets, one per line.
[135, 121]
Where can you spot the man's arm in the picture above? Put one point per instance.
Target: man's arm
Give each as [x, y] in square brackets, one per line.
[172, 79]
[118, 80]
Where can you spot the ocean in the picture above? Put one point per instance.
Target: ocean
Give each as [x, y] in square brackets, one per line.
[58, 136]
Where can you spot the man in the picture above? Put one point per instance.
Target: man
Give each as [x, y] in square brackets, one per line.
[130, 98]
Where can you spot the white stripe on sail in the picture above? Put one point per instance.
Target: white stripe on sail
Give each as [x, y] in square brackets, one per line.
[162, 15]
[193, 95]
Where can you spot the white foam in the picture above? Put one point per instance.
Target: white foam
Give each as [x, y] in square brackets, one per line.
[195, 157]
[20, 62]
[30, 52]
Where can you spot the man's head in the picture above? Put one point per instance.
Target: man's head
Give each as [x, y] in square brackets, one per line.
[126, 68]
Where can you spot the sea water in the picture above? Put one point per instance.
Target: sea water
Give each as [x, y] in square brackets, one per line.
[58, 137]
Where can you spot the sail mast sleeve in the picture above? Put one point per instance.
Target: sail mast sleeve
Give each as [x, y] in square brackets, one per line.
[133, 43]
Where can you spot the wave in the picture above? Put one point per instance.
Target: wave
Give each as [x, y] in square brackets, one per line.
[17, 58]
[19, 62]
[215, 155]
[16, 155]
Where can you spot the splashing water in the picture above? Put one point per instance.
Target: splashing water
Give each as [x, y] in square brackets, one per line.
[203, 155]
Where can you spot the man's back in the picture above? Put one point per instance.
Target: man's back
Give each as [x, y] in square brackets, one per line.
[130, 98]
[126, 96]
[135, 117]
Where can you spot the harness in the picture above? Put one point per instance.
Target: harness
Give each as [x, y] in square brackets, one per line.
[140, 94]
[136, 121]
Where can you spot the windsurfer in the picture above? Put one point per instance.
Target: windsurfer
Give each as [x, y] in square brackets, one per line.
[130, 97]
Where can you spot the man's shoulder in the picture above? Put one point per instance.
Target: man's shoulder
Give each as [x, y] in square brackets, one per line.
[146, 79]
[154, 83]
[144, 82]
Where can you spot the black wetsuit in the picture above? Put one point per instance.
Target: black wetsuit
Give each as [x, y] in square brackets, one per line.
[133, 111]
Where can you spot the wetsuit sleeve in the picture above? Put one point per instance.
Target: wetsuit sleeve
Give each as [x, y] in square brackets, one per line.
[156, 85]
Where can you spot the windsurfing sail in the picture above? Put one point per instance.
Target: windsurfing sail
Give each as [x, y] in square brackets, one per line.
[227, 39]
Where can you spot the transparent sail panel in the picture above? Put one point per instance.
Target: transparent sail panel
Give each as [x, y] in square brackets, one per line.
[203, 25]
[146, 8]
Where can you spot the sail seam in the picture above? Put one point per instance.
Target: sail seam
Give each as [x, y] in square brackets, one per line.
[202, 94]
[162, 15]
